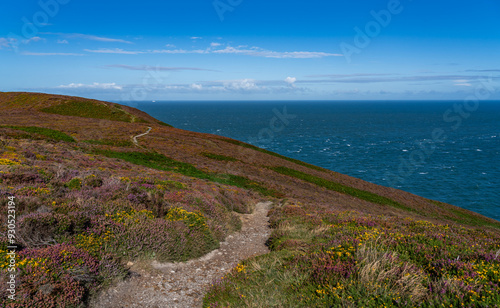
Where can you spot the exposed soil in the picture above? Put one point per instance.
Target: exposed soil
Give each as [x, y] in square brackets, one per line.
[183, 285]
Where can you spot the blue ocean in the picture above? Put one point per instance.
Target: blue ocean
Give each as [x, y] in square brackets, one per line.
[443, 150]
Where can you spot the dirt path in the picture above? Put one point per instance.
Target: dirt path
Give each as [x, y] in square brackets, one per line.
[183, 285]
[134, 139]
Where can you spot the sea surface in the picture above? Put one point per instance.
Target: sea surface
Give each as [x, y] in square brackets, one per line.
[442, 150]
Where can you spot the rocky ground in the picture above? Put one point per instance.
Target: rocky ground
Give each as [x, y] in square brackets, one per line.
[183, 285]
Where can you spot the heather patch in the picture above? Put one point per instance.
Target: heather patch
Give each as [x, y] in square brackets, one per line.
[161, 162]
[89, 109]
[60, 276]
[111, 142]
[218, 157]
[348, 258]
[49, 133]
[81, 218]
[358, 193]
[295, 161]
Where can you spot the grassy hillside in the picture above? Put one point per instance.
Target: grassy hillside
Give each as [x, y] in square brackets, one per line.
[88, 200]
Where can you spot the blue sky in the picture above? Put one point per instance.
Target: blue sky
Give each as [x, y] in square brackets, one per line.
[251, 49]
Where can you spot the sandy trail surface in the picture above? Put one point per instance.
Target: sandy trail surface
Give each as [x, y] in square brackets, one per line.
[183, 285]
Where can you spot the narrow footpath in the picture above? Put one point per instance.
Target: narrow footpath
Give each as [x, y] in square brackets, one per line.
[134, 139]
[183, 285]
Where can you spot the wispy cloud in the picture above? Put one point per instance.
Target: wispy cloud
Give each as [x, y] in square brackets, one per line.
[4, 42]
[27, 53]
[462, 82]
[486, 70]
[114, 51]
[95, 85]
[12, 42]
[88, 37]
[349, 75]
[375, 79]
[254, 51]
[259, 52]
[158, 68]
[62, 42]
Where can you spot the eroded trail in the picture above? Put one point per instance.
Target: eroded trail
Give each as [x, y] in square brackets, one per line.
[183, 285]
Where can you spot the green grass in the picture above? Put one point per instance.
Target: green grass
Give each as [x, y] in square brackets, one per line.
[464, 217]
[296, 161]
[90, 110]
[218, 157]
[161, 162]
[164, 124]
[358, 193]
[50, 133]
[111, 142]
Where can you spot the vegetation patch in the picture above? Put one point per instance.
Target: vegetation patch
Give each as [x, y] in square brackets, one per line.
[461, 216]
[164, 124]
[161, 162]
[47, 132]
[82, 217]
[349, 259]
[358, 193]
[218, 157]
[111, 142]
[296, 161]
[90, 110]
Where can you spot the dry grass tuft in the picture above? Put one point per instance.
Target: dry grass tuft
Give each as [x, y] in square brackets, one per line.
[384, 269]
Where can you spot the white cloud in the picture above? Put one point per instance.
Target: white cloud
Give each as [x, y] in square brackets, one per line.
[290, 80]
[34, 39]
[95, 85]
[244, 84]
[4, 42]
[259, 52]
[170, 46]
[462, 82]
[158, 68]
[240, 50]
[62, 42]
[11, 42]
[27, 53]
[213, 44]
[114, 51]
[177, 51]
[196, 38]
[196, 86]
[89, 37]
